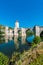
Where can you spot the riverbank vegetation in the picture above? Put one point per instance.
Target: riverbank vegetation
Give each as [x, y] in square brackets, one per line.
[33, 56]
[36, 41]
[4, 60]
[2, 30]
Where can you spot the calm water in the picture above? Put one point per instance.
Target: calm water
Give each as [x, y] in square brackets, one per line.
[8, 45]
[30, 39]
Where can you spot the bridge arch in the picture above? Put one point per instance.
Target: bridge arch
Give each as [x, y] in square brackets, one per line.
[38, 30]
[41, 35]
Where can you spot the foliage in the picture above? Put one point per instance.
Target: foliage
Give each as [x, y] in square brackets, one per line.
[10, 28]
[19, 32]
[15, 57]
[42, 38]
[23, 58]
[37, 39]
[19, 58]
[1, 32]
[2, 27]
[33, 45]
[3, 59]
[19, 62]
[37, 61]
[29, 33]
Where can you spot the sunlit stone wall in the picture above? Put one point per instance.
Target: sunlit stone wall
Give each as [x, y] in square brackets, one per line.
[23, 32]
[41, 29]
[6, 31]
[11, 33]
[37, 31]
[15, 31]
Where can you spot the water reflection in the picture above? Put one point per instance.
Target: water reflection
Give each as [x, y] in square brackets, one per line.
[23, 39]
[16, 39]
[15, 44]
[6, 39]
[10, 38]
[2, 40]
[23, 45]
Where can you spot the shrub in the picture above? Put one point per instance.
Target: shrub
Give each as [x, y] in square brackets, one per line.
[37, 39]
[37, 61]
[19, 62]
[3, 59]
[29, 33]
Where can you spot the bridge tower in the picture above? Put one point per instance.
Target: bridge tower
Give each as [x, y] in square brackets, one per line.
[23, 32]
[16, 28]
[16, 24]
[37, 30]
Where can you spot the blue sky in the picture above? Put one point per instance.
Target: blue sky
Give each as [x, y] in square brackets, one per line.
[27, 12]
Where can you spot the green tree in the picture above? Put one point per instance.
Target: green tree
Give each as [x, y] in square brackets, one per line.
[3, 59]
[29, 33]
[37, 39]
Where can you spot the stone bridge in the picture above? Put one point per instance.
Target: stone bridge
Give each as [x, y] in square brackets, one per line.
[38, 30]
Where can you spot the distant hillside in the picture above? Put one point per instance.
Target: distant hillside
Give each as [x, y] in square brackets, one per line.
[3, 27]
[2, 30]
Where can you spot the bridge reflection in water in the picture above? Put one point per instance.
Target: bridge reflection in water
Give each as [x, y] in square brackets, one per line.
[8, 45]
